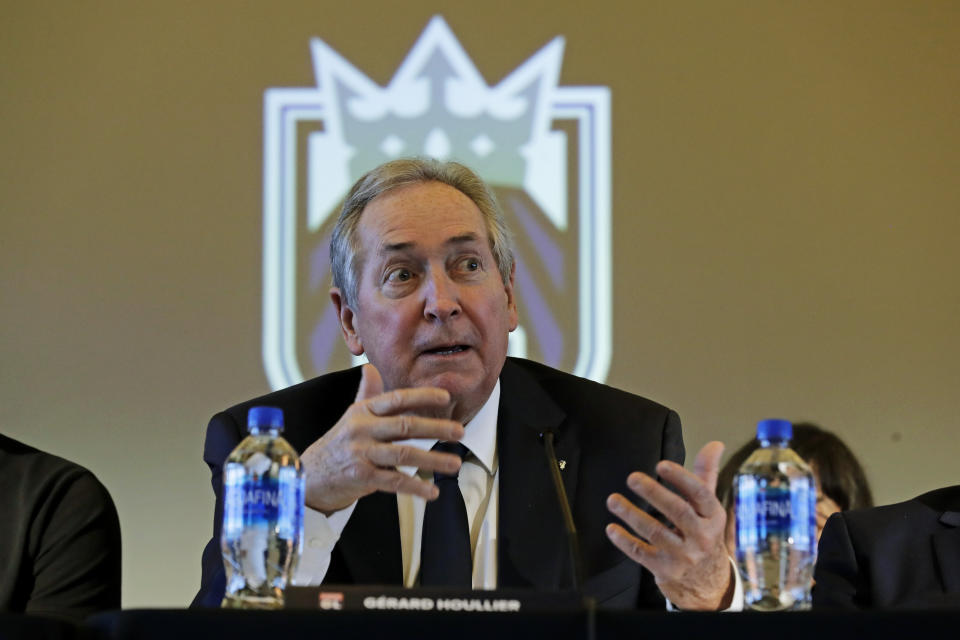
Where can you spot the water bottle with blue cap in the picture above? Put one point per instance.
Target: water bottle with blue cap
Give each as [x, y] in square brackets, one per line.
[776, 529]
[262, 514]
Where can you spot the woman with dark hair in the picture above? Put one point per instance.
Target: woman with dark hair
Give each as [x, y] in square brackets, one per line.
[841, 482]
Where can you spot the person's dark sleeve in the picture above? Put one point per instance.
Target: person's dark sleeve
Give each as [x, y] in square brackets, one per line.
[838, 583]
[673, 448]
[223, 435]
[75, 540]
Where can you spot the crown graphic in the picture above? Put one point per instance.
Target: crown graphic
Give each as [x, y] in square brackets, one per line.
[437, 104]
[523, 135]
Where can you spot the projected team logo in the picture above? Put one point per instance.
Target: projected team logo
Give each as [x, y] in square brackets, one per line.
[544, 148]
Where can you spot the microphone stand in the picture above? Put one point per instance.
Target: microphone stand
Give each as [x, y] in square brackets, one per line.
[571, 529]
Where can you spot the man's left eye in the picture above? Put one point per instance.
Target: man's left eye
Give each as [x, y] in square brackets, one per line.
[470, 264]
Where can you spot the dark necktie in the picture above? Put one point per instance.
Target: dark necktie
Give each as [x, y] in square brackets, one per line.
[445, 554]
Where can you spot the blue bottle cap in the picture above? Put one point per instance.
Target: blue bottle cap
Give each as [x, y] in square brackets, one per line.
[774, 429]
[265, 417]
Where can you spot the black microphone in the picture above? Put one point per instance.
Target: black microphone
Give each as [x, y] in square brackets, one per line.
[571, 529]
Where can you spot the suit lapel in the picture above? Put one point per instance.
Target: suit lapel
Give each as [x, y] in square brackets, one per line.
[533, 549]
[946, 545]
[370, 544]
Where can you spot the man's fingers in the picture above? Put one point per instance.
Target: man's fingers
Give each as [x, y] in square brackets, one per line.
[642, 523]
[689, 485]
[706, 466]
[405, 400]
[634, 548]
[406, 426]
[689, 559]
[371, 384]
[393, 455]
[399, 482]
[675, 508]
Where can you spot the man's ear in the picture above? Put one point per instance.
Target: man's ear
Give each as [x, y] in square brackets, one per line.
[511, 299]
[347, 319]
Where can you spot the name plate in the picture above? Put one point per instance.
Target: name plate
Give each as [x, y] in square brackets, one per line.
[394, 598]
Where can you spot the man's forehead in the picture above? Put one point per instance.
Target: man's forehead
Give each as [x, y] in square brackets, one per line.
[424, 213]
[452, 242]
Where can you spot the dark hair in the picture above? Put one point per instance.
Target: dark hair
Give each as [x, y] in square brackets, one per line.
[842, 479]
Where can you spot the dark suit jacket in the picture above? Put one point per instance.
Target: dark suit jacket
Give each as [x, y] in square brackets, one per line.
[59, 536]
[601, 432]
[901, 555]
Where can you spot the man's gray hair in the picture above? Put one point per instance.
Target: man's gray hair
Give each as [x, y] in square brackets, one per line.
[345, 249]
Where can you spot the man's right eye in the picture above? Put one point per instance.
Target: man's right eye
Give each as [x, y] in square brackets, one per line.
[399, 275]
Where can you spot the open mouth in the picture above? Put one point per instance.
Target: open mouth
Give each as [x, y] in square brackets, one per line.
[447, 350]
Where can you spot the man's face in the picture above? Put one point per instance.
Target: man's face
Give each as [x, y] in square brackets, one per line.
[432, 309]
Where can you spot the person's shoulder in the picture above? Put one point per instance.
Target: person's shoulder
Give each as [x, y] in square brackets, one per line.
[330, 393]
[29, 466]
[613, 423]
[40, 482]
[940, 500]
[309, 391]
[571, 391]
[909, 515]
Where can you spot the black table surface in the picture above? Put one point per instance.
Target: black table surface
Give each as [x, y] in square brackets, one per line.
[149, 624]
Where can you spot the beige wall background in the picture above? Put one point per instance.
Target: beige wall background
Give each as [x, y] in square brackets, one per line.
[785, 197]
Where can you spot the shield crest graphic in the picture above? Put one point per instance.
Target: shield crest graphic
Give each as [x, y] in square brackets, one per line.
[543, 148]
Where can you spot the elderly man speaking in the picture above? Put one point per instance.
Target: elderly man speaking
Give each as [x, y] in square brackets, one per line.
[423, 283]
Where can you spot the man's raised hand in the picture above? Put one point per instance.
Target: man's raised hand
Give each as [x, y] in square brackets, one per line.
[359, 454]
[689, 559]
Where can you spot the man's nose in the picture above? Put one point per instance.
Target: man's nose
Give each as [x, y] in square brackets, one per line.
[442, 297]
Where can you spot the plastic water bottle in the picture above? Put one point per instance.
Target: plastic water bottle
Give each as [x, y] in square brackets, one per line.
[262, 514]
[776, 528]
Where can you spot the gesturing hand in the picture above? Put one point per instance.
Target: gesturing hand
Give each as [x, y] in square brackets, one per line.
[688, 560]
[358, 455]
